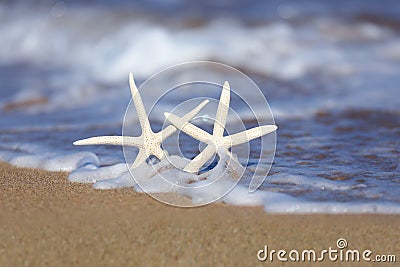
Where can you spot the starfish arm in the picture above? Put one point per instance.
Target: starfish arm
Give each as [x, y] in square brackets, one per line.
[137, 100]
[168, 131]
[248, 135]
[222, 111]
[196, 163]
[188, 128]
[159, 153]
[110, 140]
[140, 158]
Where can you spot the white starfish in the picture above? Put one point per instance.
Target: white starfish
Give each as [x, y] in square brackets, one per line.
[217, 139]
[149, 142]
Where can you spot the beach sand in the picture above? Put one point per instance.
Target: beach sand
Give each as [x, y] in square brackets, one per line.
[46, 220]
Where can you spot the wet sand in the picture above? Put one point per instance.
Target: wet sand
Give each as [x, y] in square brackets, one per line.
[46, 220]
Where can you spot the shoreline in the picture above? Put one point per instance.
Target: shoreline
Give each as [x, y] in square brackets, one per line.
[45, 219]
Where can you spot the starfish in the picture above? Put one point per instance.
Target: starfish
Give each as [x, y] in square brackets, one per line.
[217, 139]
[149, 142]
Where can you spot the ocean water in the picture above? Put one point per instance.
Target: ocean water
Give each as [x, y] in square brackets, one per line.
[330, 72]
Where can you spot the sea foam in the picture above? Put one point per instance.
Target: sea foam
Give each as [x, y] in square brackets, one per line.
[219, 184]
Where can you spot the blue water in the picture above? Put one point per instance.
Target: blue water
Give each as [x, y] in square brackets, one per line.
[330, 71]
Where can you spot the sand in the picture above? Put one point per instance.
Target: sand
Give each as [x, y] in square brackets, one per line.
[46, 220]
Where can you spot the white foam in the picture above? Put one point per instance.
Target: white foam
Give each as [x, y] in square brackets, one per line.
[122, 181]
[285, 204]
[50, 161]
[91, 173]
[219, 185]
[277, 48]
